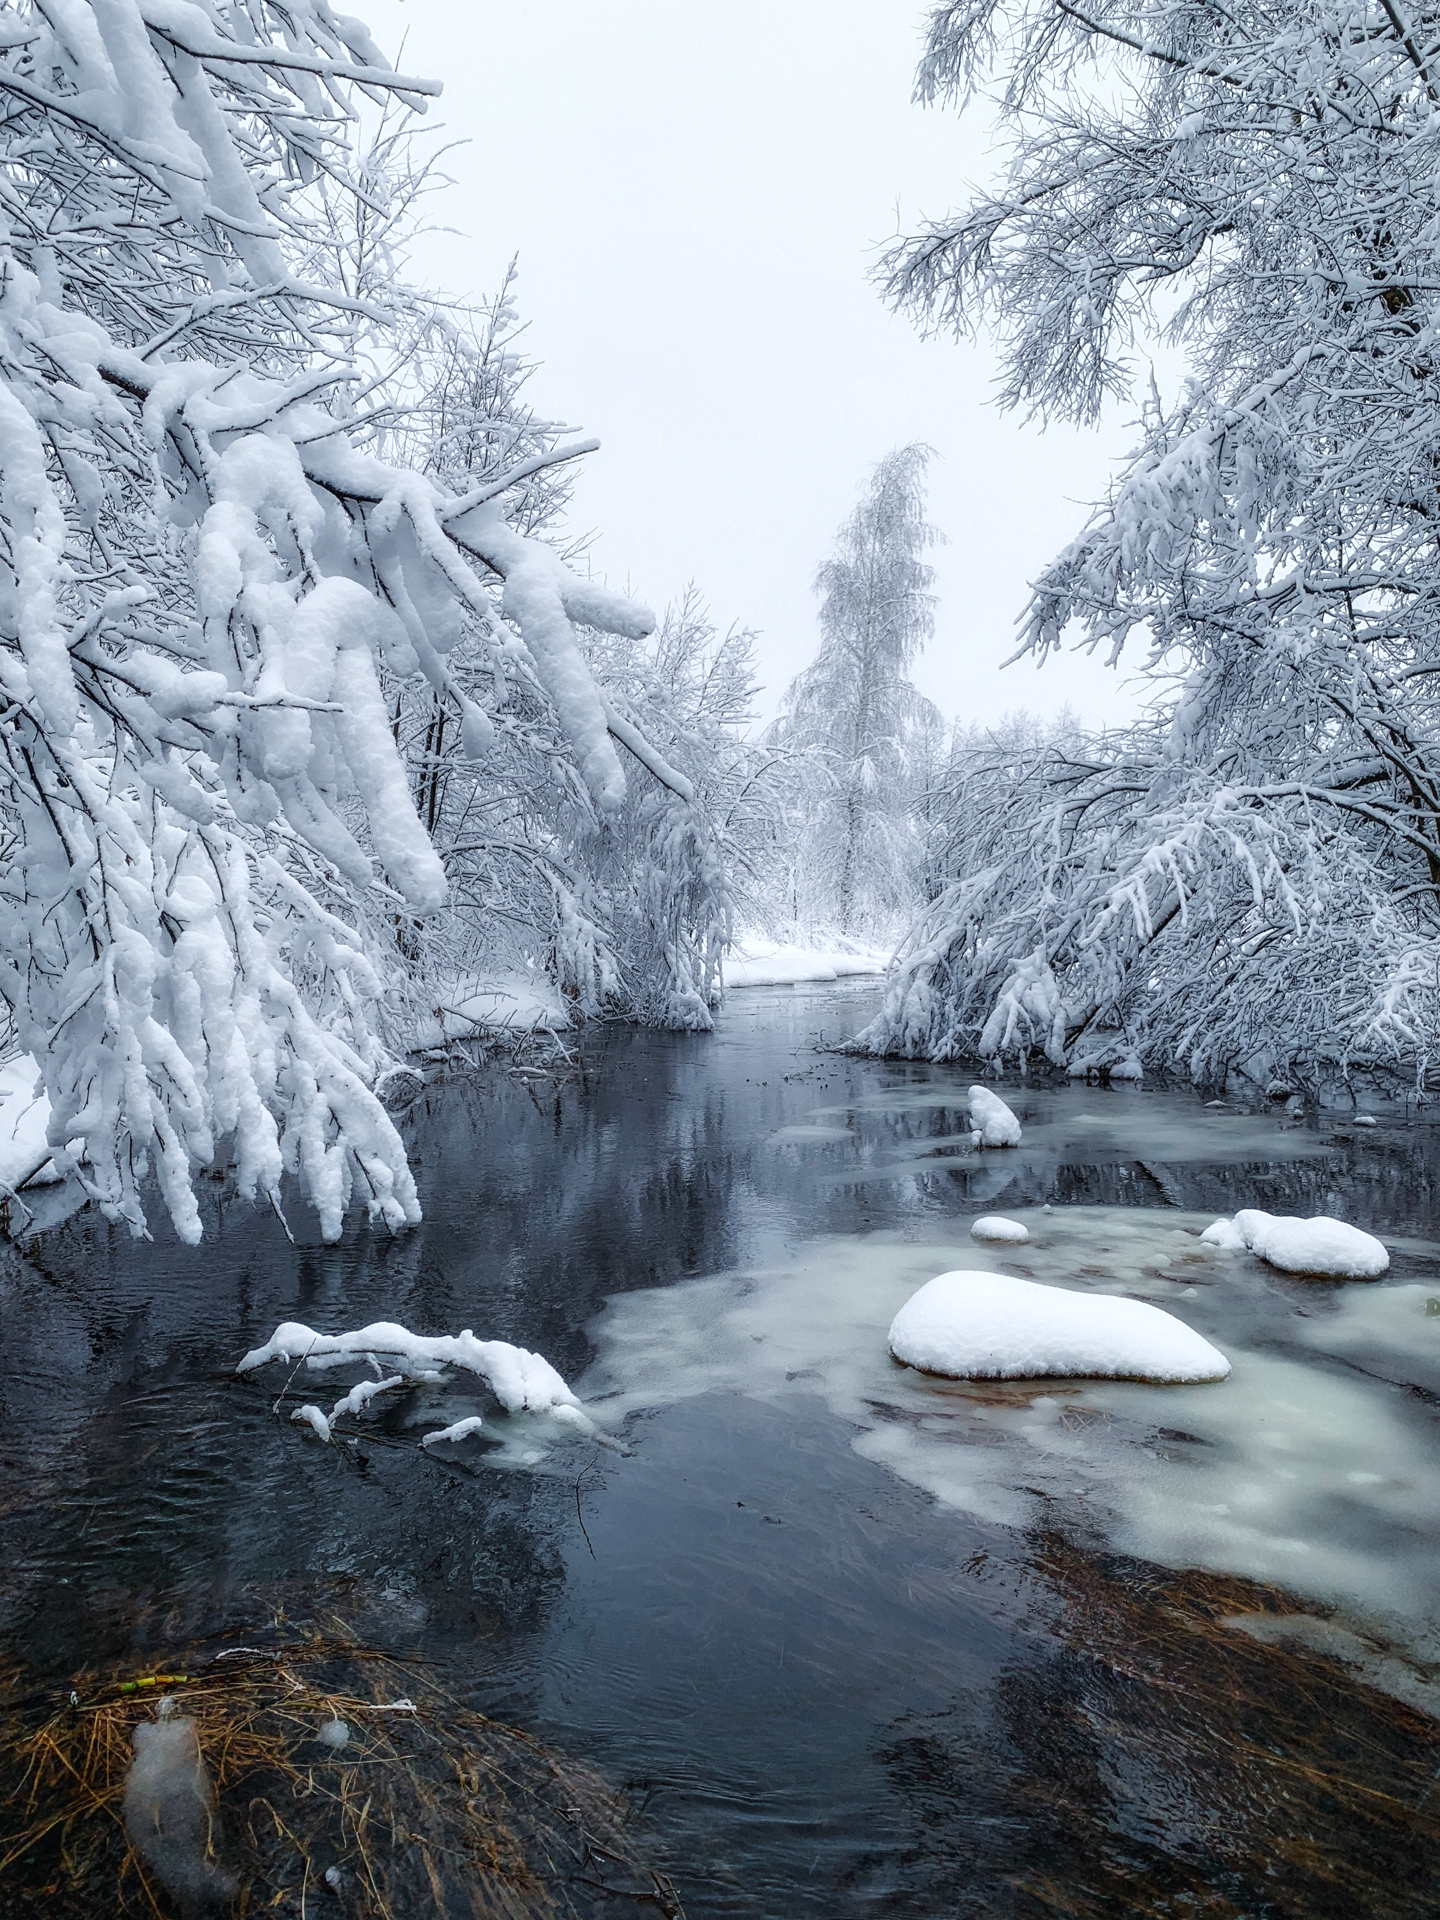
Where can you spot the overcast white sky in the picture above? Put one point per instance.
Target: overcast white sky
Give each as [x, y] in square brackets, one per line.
[696, 195]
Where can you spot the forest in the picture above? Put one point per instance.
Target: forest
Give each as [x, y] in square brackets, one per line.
[321, 744]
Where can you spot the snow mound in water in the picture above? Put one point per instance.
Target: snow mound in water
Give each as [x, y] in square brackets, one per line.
[1321, 1245]
[989, 1326]
[992, 1119]
[1225, 1235]
[992, 1226]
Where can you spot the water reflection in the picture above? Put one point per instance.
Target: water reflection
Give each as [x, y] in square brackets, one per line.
[835, 1694]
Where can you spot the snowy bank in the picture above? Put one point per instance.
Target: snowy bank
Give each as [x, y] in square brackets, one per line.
[24, 1116]
[1320, 1246]
[990, 1326]
[772, 963]
[474, 1004]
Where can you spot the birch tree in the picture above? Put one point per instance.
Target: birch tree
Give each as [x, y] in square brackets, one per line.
[1255, 871]
[853, 719]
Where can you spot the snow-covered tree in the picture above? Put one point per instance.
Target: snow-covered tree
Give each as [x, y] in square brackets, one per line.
[1255, 871]
[675, 873]
[858, 733]
[208, 569]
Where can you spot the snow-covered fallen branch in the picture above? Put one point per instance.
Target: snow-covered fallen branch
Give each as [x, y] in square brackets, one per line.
[522, 1382]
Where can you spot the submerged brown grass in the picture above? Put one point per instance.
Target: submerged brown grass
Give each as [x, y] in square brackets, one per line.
[430, 1808]
[1149, 1757]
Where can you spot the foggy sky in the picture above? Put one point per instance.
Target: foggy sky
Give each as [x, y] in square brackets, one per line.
[696, 197]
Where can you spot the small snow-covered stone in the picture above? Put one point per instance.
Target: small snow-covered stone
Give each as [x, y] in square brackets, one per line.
[1365, 1120]
[990, 1326]
[993, 1227]
[992, 1119]
[1321, 1246]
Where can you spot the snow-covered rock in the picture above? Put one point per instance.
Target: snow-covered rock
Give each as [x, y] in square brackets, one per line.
[521, 1381]
[1320, 1246]
[772, 963]
[1225, 1235]
[992, 1226]
[992, 1119]
[990, 1326]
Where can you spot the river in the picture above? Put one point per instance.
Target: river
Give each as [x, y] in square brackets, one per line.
[854, 1642]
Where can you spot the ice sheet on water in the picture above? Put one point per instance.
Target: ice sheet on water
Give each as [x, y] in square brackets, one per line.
[993, 1326]
[1298, 1469]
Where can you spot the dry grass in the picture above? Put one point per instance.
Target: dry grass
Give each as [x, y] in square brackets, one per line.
[435, 1811]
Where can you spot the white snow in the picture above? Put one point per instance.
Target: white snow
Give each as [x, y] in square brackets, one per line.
[1320, 1246]
[460, 1430]
[362, 1393]
[973, 1325]
[492, 1003]
[334, 1733]
[520, 1380]
[994, 1226]
[24, 1116]
[992, 1119]
[313, 1417]
[1224, 1235]
[169, 1804]
[756, 962]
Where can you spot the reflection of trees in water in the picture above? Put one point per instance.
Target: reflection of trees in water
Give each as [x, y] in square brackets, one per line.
[1148, 1759]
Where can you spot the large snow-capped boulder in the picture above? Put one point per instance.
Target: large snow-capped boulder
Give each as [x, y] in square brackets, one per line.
[992, 1119]
[994, 1226]
[990, 1326]
[1320, 1246]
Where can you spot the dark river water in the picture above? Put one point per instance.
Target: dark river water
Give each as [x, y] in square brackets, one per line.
[854, 1643]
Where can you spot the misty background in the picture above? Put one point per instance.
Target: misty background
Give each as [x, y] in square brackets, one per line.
[696, 198]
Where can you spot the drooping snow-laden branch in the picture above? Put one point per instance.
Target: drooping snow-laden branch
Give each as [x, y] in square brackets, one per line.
[208, 580]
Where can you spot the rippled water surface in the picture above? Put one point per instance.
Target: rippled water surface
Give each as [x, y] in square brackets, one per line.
[857, 1642]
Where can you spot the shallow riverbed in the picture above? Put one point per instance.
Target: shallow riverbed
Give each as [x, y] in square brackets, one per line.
[858, 1642]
